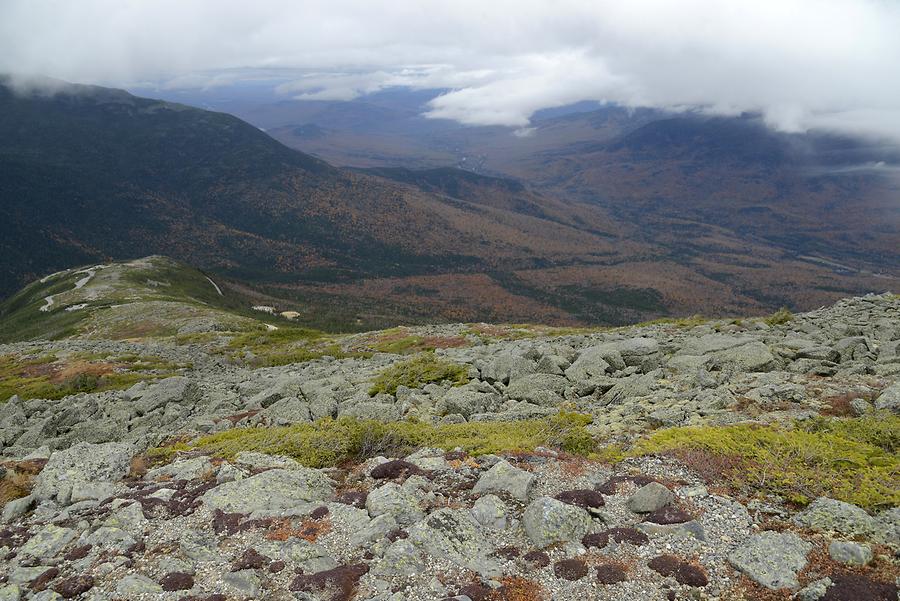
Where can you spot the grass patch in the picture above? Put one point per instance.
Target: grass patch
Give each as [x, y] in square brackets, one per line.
[853, 460]
[329, 442]
[50, 378]
[269, 348]
[417, 372]
[682, 323]
[779, 317]
[398, 342]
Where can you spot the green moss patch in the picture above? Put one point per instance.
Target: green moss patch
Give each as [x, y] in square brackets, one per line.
[330, 442]
[418, 371]
[853, 460]
[264, 347]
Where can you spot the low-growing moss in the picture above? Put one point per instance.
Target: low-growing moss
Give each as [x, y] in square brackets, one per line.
[329, 442]
[682, 323]
[50, 378]
[779, 317]
[853, 460]
[269, 348]
[418, 371]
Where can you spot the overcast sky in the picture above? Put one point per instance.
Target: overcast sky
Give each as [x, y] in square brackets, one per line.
[802, 63]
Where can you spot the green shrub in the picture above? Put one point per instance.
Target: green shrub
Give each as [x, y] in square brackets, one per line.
[329, 442]
[418, 371]
[852, 460]
[779, 317]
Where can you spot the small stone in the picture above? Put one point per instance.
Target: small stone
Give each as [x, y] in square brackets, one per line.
[649, 498]
[850, 553]
[814, 590]
[490, 511]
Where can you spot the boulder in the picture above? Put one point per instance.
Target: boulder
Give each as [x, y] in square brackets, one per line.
[376, 529]
[468, 400]
[539, 389]
[830, 515]
[772, 559]
[506, 365]
[889, 398]
[392, 499]
[547, 521]
[81, 464]
[273, 490]
[505, 478]
[453, 534]
[134, 585]
[47, 542]
[177, 389]
[401, 558]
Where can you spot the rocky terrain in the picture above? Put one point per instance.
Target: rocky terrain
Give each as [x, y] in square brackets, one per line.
[230, 455]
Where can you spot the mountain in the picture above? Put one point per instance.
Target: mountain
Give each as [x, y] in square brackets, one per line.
[233, 456]
[588, 226]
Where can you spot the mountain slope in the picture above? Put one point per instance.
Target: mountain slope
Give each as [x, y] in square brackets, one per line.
[101, 172]
[596, 234]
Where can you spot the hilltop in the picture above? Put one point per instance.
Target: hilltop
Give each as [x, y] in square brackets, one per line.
[166, 440]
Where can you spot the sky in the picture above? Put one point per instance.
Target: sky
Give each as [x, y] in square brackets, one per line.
[829, 64]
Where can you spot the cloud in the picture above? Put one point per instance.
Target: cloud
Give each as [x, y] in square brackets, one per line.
[800, 63]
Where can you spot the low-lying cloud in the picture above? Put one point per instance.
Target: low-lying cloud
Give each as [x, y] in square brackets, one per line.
[827, 64]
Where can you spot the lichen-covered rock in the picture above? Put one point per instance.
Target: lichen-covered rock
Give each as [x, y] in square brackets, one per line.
[401, 558]
[133, 585]
[48, 542]
[850, 553]
[81, 464]
[392, 499]
[177, 389]
[889, 398]
[491, 512]
[539, 389]
[830, 515]
[887, 524]
[455, 535]
[376, 529]
[547, 521]
[505, 478]
[272, 490]
[772, 559]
